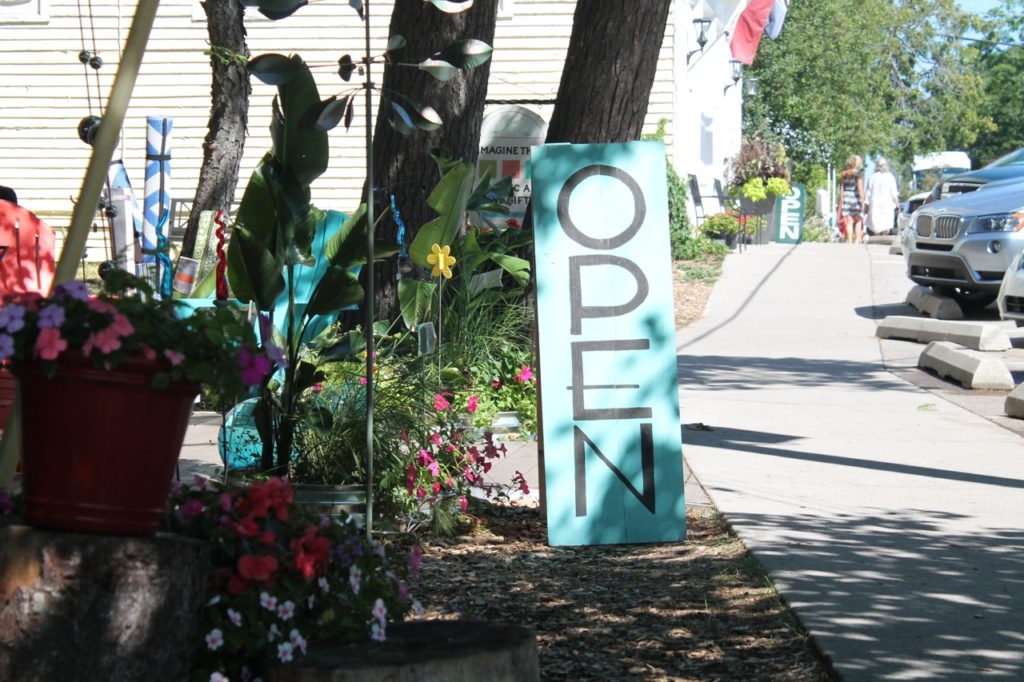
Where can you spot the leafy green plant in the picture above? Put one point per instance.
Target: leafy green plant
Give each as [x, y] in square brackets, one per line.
[759, 170]
[720, 225]
[815, 229]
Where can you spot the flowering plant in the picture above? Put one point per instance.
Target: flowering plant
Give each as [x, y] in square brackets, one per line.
[509, 389]
[282, 575]
[216, 346]
[449, 462]
[759, 170]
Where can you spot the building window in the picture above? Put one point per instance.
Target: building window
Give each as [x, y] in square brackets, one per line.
[24, 11]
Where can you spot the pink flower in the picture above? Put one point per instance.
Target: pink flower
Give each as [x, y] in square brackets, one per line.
[495, 384]
[440, 403]
[96, 305]
[421, 493]
[410, 478]
[380, 611]
[148, 353]
[463, 503]
[471, 404]
[377, 633]
[286, 610]
[362, 380]
[191, 509]
[174, 357]
[214, 639]
[121, 326]
[268, 602]
[235, 617]
[105, 339]
[425, 458]
[317, 387]
[520, 480]
[435, 439]
[435, 470]
[225, 501]
[436, 487]
[50, 344]
[524, 374]
[284, 652]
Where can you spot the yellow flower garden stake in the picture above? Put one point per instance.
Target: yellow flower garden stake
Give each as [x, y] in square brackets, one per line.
[441, 260]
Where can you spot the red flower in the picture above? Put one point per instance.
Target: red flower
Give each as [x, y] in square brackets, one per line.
[311, 553]
[246, 527]
[257, 567]
[237, 585]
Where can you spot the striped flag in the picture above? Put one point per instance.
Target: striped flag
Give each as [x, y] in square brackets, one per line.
[746, 36]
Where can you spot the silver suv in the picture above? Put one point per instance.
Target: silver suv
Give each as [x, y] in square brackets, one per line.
[963, 245]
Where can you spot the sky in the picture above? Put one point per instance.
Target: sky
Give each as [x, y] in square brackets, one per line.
[977, 6]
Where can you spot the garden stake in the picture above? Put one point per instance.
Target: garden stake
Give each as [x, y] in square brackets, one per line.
[17, 244]
[370, 293]
[222, 263]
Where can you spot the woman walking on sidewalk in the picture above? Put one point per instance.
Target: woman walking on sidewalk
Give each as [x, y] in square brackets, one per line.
[851, 200]
[883, 199]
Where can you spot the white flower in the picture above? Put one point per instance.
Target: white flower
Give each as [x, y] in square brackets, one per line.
[324, 585]
[284, 652]
[377, 633]
[273, 633]
[214, 601]
[235, 617]
[355, 578]
[268, 602]
[310, 600]
[286, 610]
[215, 639]
[380, 611]
[217, 677]
[297, 640]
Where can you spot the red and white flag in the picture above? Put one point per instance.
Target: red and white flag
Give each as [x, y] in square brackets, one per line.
[746, 36]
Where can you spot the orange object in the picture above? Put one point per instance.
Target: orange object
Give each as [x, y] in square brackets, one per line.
[27, 244]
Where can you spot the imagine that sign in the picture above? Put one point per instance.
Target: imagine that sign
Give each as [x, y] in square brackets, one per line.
[609, 392]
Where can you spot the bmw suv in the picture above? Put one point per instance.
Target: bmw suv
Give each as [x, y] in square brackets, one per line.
[962, 246]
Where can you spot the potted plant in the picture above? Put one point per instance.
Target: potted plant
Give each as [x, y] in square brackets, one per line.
[283, 577]
[723, 226]
[758, 174]
[107, 383]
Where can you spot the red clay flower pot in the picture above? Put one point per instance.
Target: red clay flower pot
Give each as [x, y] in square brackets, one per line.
[99, 447]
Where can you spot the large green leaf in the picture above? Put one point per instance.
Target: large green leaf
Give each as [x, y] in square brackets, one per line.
[337, 288]
[253, 272]
[466, 54]
[275, 69]
[449, 200]
[343, 249]
[414, 298]
[257, 213]
[518, 268]
[488, 195]
[416, 114]
[303, 151]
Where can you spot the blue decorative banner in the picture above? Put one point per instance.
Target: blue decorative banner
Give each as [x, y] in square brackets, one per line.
[609, 393]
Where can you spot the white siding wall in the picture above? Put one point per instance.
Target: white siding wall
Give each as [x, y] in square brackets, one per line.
[43, 91]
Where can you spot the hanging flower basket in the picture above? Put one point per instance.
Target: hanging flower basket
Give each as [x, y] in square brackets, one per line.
[100, 446]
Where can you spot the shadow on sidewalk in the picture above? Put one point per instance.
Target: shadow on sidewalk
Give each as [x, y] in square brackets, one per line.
[721, 372]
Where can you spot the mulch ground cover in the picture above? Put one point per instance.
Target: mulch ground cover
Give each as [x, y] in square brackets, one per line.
[699, 610]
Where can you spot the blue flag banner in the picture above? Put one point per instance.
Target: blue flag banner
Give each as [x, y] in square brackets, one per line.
[609, 392]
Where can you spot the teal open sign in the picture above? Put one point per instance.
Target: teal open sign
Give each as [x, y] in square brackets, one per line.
[609, 393]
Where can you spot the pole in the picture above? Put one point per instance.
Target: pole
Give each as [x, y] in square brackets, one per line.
[89, 196]
[370, 286]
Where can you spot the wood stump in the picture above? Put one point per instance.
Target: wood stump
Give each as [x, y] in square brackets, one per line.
[442, 650]
[75, 606]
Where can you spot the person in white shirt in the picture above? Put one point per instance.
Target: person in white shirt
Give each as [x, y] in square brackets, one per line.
[883, 199]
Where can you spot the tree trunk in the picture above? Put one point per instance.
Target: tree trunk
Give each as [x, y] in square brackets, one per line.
[402, 164]
[609, 70]
[225, 140]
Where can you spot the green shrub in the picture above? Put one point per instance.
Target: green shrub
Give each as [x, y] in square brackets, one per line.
[699, 248]
[678, 220]
[720, 225]
[815, 229]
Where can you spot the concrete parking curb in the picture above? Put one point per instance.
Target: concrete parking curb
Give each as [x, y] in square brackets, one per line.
[973, 335]
[934, 305]
[968, 368]
[896, 248]
[1014, 404]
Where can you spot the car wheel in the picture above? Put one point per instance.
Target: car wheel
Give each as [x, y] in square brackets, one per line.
[971, 299]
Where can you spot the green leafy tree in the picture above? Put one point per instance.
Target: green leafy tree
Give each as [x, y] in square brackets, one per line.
[863, 76]
[1002, 65]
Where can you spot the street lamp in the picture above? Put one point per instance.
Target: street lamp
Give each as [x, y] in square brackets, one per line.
[736, 68]
[700, 26]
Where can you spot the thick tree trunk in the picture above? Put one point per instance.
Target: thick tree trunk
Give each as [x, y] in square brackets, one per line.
[402, 164]
[609, 71]
[225, 141]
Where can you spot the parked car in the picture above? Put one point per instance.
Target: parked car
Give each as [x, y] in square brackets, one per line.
[1011, 292]
[907, 208]
[1010, 166]
[963, 245]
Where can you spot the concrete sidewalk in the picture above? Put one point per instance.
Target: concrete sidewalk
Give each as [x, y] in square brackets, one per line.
[890, 518]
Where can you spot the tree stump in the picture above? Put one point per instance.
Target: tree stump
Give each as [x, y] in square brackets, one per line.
[85, 607]
[448, 650]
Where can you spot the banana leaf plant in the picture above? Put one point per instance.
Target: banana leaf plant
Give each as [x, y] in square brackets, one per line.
[271, 242]
[453, 199]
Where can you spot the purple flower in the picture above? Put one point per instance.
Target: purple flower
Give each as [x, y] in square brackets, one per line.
[74, 289]
[52, 316]
[12, 317]
[191, 509]
[6, 346]
[276, 354]
[254, 367]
